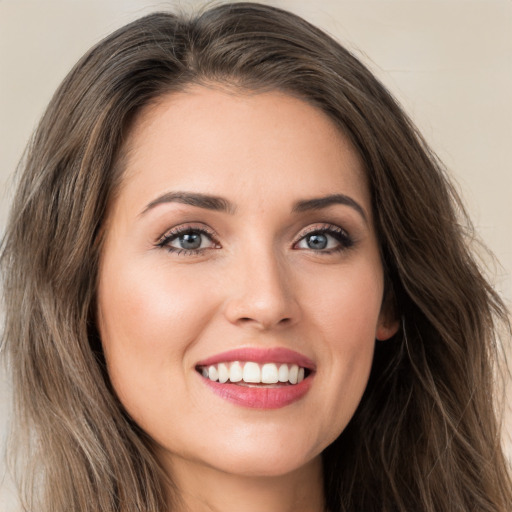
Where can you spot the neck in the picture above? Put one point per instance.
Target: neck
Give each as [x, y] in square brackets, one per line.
[201, 488]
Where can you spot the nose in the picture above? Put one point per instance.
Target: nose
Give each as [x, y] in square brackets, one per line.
[261, 293]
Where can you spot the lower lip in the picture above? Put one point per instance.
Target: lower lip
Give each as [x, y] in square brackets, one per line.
[260, 397]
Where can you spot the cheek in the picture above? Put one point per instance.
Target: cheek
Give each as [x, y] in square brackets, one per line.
[347, 304]
[147, 321]
[345, 312]
[144, 306]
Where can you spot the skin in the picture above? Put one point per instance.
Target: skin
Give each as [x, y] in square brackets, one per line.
[256, 284]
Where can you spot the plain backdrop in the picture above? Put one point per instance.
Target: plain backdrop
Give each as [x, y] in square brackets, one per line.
[449, 63]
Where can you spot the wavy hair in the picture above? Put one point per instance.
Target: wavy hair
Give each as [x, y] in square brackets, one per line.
[425, 436]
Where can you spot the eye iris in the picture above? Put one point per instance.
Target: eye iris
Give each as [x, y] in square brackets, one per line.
[317, 241]
[190, 240]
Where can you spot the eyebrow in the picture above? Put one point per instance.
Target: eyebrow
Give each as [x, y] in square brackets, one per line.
[221, 204]
[326, 201]
[193, 199]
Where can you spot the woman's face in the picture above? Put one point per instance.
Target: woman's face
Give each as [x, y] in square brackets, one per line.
[240, 246]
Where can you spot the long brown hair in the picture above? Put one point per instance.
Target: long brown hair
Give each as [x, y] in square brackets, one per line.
[425, 436]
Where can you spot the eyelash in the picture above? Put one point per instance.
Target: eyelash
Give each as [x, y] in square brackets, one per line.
[339, 234]
[175, 233]
[343, 238]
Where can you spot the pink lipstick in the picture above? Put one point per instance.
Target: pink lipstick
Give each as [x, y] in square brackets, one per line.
[258, 378]
[258, 355]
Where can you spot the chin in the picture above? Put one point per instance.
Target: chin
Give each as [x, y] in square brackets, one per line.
[263, 458]
[263, 465]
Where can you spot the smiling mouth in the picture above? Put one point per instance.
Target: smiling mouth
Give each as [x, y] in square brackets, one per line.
[252, 374]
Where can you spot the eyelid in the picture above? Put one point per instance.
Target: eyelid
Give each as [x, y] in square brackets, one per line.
[315, 228]
[176, 231]
[332, 229]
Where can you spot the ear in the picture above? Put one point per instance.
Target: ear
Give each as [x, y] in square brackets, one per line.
[386, 328]
[388, 322]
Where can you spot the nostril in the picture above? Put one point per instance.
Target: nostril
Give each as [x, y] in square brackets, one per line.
[247, 319]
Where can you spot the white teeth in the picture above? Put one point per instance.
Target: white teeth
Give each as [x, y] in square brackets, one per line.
[294, 373]
[213, 374]
[254, 373]
[269, 374]
[223, 373]
[283, 373]
[235, 372]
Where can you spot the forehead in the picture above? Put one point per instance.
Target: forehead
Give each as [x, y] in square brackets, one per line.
[226, 141]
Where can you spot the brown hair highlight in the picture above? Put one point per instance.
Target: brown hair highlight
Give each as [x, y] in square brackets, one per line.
[425, 436]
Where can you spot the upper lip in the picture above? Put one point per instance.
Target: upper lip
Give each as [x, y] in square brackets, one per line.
[260, 355]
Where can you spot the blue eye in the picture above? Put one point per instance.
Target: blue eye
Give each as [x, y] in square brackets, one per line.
[325, 240]
[317, 241]
[187, 240]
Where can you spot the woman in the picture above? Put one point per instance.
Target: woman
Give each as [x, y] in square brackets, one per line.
[235, 279]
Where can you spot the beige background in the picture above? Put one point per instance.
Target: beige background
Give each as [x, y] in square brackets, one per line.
[449, 62]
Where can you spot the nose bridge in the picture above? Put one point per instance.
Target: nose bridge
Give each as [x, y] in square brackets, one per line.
[261, 292]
